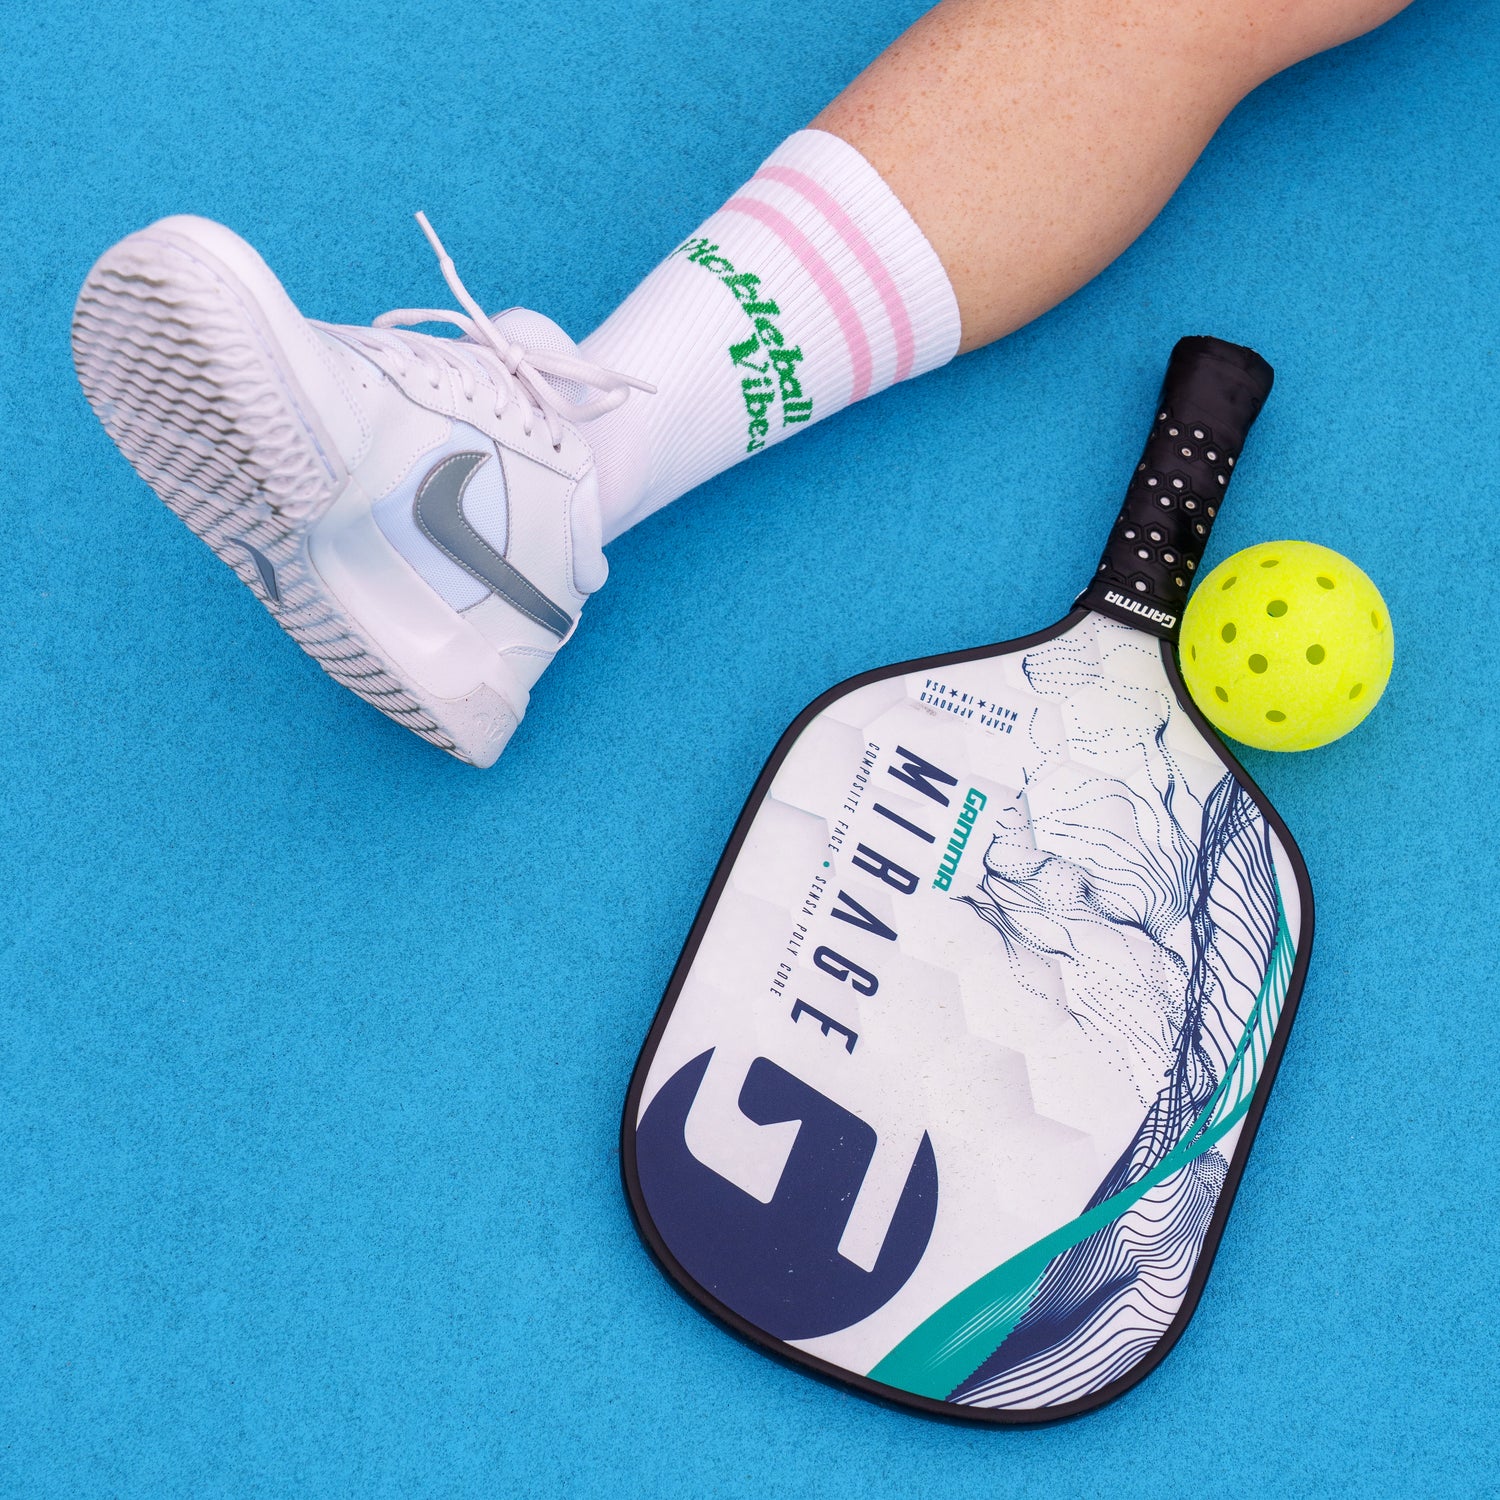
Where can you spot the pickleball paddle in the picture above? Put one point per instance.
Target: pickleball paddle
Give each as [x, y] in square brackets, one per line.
[956, 1076]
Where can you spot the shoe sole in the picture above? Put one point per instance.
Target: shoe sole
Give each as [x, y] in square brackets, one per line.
[182, 368]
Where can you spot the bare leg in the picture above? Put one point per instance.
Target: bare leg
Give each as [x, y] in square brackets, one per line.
[1033, 140]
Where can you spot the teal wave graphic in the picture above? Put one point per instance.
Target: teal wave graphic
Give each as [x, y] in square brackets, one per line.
[943, 1351]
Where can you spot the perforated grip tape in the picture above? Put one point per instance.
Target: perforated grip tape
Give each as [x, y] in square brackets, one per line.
[1212, 394]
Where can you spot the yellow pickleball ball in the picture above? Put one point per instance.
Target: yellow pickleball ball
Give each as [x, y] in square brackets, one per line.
[1286, 646]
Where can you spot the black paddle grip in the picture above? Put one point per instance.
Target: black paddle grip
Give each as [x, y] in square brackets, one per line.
[1212, 394]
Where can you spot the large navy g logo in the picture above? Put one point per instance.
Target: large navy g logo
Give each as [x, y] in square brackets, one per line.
[777, 1264]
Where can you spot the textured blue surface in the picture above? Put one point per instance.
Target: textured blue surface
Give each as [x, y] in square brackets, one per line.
[315, 1040]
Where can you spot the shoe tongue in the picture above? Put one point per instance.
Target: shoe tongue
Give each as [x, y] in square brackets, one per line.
[538, 334]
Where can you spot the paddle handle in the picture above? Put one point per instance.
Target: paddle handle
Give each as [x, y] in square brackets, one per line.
[1211, 396]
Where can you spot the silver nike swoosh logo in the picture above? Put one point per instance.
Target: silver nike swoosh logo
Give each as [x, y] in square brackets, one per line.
[266, 571]
[439, 512]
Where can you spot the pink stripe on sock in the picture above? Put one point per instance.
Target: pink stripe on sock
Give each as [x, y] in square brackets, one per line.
[827, 205]
[827, 283]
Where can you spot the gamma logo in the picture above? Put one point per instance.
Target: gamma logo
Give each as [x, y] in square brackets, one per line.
[777, 1264]
[1146, 611]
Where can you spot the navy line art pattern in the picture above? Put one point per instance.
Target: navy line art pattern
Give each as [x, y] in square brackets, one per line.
[1159, 911]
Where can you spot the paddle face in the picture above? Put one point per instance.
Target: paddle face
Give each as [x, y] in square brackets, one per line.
[955, 1078]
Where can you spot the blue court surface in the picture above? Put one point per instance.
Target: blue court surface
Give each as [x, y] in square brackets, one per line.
[315, 1041]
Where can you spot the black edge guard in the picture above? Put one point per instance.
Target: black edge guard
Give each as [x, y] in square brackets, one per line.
[1211, 396]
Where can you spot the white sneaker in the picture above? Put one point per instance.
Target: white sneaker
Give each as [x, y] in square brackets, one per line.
[419, 514]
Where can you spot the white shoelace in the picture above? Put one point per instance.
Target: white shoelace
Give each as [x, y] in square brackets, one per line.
[514, 372]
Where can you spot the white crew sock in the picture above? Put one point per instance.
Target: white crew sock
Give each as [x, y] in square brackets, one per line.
[811, 288]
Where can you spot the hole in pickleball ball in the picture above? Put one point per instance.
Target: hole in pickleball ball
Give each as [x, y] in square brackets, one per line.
[1257, 663]
[1324, 583]
[1221, 695]
[1356, 690]
[1230, 582]
[1276, 608]
[1227, 634]
[1193, 652]
[1315, 654]
[1375, 619]
[1276, 716]
[1271, 562]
